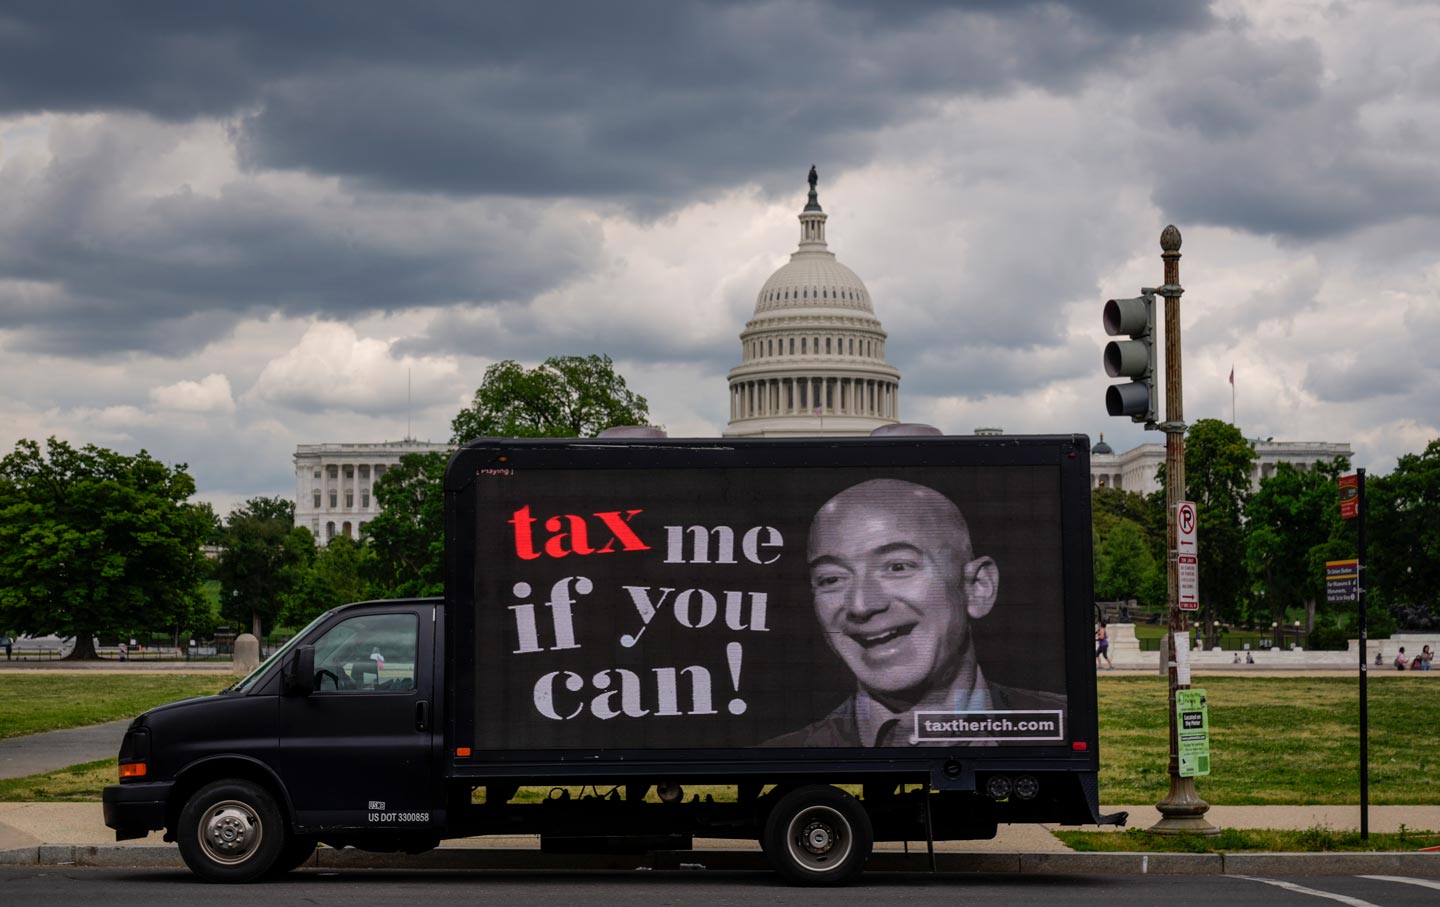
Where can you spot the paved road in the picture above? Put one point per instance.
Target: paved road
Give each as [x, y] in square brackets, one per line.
[21, 756]
[85, 888]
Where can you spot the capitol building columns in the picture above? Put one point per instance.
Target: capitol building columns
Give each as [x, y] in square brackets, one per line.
[814, 396]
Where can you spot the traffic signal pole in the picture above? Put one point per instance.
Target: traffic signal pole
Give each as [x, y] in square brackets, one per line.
[1181, 811]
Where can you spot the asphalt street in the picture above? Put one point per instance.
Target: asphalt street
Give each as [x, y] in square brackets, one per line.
[63, 887]
[37, 753]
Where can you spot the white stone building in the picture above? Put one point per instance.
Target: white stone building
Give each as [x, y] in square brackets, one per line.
[813, 356]
[334, 483]
[1134, 470]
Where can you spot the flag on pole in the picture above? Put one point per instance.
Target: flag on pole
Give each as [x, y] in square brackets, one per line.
[1232, 376]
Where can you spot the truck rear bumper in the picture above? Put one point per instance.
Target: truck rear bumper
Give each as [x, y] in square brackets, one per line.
[135, 810]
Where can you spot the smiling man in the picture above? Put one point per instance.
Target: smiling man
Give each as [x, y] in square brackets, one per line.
[896, 583]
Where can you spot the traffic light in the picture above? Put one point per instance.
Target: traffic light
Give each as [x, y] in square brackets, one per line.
[1133, 358]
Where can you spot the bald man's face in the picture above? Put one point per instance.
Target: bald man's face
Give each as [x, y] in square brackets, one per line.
[890, 580]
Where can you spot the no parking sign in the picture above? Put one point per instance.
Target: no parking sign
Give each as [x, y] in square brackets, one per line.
[1187, 555]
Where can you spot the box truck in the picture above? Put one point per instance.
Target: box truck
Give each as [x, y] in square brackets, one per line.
[813, 643]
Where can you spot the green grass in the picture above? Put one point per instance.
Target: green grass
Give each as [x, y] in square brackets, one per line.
[1274, 740]
[1236, 840]
[32, 703]
[76, 784]
[1281, 740]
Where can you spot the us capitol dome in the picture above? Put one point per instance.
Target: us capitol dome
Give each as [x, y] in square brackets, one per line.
[812, 358]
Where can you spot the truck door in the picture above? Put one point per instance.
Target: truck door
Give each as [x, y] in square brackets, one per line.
[357, 752]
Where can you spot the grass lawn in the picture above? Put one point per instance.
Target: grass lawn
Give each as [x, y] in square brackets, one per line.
[1282, 740]
[31, 703]
[1237, 840]
[76, 784]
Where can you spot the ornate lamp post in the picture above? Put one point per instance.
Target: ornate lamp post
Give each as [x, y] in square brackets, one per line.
[1181, 811]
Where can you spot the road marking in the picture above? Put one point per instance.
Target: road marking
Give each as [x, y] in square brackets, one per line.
[1424, 883]
[1301, 889]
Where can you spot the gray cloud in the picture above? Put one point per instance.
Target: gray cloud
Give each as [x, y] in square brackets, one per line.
[1258, 141]
[647, 103]
[128, 270]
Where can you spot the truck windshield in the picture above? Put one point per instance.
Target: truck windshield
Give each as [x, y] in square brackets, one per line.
[249, 680]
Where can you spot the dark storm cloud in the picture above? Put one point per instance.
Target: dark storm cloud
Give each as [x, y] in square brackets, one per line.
[1255, 141]
[646, 102]
[123, 270]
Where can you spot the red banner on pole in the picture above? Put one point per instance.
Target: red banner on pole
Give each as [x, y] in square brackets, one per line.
[1349, 496]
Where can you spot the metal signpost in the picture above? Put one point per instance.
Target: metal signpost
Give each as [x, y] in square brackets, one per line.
[1352, 506]
[1182, 810]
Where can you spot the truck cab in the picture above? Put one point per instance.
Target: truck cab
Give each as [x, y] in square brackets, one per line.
[332, 738]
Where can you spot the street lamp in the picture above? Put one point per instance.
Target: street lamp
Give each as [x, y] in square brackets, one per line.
[1275, 641]
[1297, 635]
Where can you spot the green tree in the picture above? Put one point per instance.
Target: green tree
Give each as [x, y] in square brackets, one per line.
[408, 535]
[564, 397]
[335, 578]
[1125, 566]
[93, 541]
[1404, 529]
[1218, 462]
[264, 562]
[1292, 527]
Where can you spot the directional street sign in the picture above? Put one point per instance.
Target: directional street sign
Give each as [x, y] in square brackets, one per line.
[1187, 555]
[1342, 581]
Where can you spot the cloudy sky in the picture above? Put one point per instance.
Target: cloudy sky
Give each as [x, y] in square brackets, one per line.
[228, 228]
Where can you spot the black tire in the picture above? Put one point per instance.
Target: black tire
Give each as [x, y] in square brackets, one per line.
[231, 831]
[818, 835]
[299, 850]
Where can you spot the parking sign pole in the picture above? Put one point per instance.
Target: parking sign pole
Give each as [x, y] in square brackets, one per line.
[1181, 811]
[1364, 668]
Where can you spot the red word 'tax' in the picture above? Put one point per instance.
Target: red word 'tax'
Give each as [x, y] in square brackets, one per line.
[570, 534]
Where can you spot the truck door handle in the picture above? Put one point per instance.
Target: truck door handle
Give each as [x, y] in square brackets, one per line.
[422, 715]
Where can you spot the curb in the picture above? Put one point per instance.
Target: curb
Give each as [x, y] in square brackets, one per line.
[487, 858]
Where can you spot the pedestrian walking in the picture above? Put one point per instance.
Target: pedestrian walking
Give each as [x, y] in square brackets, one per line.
[1102, 647]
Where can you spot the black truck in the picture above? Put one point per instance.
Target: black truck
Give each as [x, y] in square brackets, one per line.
[830, 642]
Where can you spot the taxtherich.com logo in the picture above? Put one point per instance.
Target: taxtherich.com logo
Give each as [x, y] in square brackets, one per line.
[1010, 724]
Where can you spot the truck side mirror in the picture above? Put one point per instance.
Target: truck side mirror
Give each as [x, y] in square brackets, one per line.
[299, 674]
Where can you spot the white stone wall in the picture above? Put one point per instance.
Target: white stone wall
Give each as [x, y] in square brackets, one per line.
[1125, 653]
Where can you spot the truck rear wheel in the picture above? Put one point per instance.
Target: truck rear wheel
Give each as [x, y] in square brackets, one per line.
[231, 831]
[818, 835]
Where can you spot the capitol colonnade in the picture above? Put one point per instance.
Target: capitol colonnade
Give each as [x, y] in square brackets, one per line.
[814, 395]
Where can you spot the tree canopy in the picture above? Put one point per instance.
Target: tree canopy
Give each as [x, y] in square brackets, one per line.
[563, 397]
[95, 541]
[263, 562]
[1218, 460]
[1293, 527]
[408, 535]
[1129, 545]
[1405, 536]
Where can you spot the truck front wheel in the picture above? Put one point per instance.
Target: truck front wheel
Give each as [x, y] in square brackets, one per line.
[231, 831]
[818, 835]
